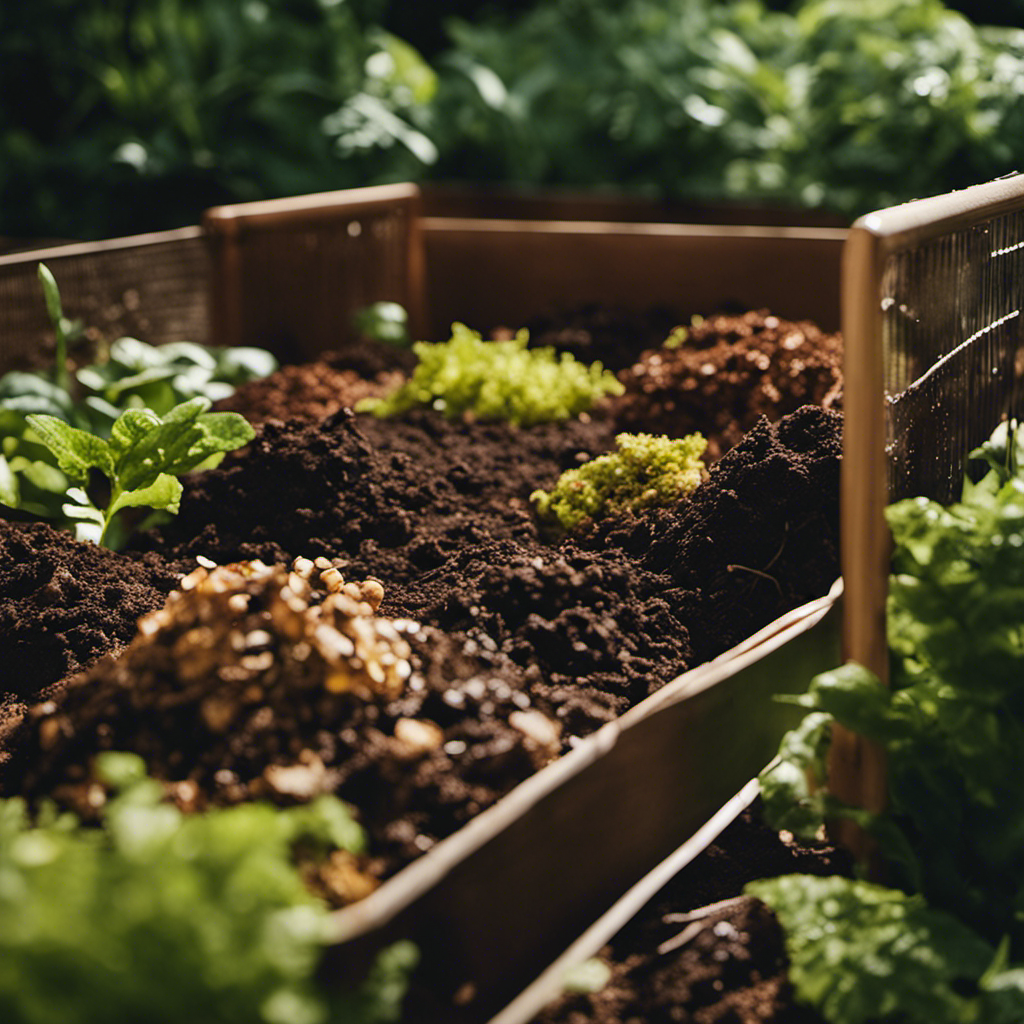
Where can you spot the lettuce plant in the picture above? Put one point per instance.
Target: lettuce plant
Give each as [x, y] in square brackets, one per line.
[952, 729]
[166, 917]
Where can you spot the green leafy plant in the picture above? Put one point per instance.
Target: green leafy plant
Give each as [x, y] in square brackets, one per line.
[142, 459]
[166, 917]
[952, 729]
[862, 953]
[496, 380]
[646, 470]
[149, 111]
[384, 321]
[133, 375]
[849, 105]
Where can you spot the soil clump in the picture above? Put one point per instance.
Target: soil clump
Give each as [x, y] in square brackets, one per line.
[728, 372]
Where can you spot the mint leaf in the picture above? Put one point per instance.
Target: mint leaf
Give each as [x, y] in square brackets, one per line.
[163, 494]
[76, 450]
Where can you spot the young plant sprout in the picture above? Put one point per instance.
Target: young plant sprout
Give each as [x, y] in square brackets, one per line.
[496, 381]
[646, 470]
[131, 375]
[142, 460]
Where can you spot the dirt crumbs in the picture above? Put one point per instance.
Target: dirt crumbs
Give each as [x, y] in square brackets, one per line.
[393, 499]
[64, 604]
[699, 953]
[727, 373]
[258, 682]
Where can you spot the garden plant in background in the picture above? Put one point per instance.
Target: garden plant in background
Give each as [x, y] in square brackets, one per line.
[946, 943]
[145, 112]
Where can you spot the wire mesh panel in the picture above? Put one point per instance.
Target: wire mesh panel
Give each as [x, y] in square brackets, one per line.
[289, 273]
[952, 349]
[932, 295]
[154, 287]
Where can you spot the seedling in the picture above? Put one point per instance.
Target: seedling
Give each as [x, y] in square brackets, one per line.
[142, 460]
[132, 374]
[646, 470]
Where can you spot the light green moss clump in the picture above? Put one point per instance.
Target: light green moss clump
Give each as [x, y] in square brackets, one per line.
[646, 470]
[496, 380]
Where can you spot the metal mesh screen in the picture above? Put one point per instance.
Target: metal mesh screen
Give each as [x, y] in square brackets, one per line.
[154, 287]
[953, 351]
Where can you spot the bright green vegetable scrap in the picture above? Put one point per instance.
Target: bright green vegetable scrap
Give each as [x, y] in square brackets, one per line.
[163, 917]
[496, 381]
[142, 460]
[646, 470]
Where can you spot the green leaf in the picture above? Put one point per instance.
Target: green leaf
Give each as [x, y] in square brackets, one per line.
[163, 494]
[186, 352]
[130, 428]
[76, 451]
[861, 953]
[10, 494]
[51, 295]
[226, 430]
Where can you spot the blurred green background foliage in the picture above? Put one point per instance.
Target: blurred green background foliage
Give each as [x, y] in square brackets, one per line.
[120, 116]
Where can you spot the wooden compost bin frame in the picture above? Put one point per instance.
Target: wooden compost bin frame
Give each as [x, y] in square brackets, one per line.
[655, 778]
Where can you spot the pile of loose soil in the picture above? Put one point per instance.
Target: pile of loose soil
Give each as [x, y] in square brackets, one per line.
[64, 604]
[515, 639]
[392, 499]
[699, 953]
[307, 393]
[730, 371]
[256, 682]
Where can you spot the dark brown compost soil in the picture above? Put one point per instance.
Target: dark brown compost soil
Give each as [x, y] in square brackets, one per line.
[727, 373]
[64, 604]
[699, 952]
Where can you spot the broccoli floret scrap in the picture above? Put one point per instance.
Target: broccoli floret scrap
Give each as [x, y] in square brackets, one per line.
[647, 470]
[496, 381]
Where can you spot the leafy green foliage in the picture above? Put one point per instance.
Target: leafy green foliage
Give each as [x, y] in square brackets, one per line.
[154, 110]
[496, 380]
[846, 104]
[384, 321]
[142, 459]
[163, 917]
[951, 727]
[133, 375]
[862, 953]
[645, 471]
